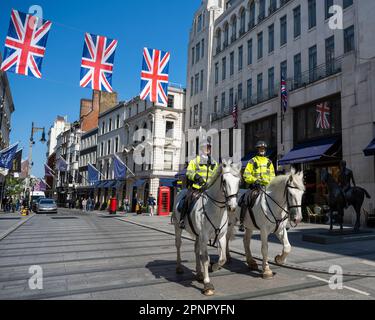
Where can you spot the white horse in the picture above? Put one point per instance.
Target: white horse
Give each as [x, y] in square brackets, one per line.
[279, 204]
[209, 220]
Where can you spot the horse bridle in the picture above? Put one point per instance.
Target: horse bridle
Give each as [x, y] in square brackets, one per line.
[278, 222]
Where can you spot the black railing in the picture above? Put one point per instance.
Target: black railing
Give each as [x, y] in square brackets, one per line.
[320, 72]
[256, 99]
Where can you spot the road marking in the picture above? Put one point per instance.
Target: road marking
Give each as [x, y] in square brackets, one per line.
[345, 287]
[369, 263]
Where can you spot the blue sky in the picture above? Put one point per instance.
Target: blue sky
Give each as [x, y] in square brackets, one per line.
[160, 24]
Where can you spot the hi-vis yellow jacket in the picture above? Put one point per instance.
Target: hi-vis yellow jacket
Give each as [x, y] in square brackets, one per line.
[259, 169]
[195, 167]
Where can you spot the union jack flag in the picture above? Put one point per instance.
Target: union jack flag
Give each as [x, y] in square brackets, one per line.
[155, 76]
[97, 62]
[324, 112]
[284, 95]
[25, 44]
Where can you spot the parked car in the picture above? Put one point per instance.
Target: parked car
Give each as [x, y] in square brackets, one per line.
[46, 206]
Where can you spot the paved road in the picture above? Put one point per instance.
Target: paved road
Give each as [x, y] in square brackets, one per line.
[96, 257]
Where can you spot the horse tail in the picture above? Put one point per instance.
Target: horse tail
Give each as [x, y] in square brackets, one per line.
[366, 193]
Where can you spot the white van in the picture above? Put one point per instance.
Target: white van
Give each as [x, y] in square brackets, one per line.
[35, 197]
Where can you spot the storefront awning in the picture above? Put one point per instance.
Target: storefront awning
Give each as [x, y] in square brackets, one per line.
[99, 184]
[139, 183]
[370, 150]
[167, 182]
[308, 152]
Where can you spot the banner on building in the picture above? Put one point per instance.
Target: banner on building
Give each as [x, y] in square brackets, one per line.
[62, 165]
[93, 173]
[120, 168]
[7, 156]
[17, 162]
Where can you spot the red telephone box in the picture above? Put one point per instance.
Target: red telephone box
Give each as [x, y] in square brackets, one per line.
[164, 202]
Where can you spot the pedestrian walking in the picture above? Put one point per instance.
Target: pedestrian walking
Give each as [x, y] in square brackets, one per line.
[84, 205]
[152, 204]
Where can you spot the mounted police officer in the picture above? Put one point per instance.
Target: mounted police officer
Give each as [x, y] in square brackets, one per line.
[199, 171]
[258, 174]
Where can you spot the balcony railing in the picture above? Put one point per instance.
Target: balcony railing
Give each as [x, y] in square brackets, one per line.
[266, 95]
[320, 72]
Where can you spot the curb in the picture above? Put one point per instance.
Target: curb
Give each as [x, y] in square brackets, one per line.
[14, 228]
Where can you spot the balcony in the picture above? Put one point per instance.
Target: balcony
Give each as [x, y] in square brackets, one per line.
[251, 24]
[218, 49]
[221, 114]
[261, 17]
[272, 8]
[233, 38]
[320, 72]
[266, 95]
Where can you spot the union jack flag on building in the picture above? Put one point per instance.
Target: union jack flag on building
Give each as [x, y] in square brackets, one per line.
[25, 44]
[284, 95]
[324, 112]
[97, 62]
[155, 76]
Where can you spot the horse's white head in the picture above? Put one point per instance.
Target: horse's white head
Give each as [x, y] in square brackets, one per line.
[231, 178]
[295, 190]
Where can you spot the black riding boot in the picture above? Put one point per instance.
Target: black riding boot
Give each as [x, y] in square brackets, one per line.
[183, 214]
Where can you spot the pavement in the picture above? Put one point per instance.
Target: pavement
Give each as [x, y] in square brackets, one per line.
[93, 256]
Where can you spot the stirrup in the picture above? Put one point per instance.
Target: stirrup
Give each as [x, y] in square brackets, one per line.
[182, 225]
[242, 228]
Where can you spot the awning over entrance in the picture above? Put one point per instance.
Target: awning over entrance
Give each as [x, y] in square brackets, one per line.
[139, 183]
[109, 184]
[370, 150]
[167, 182]
[308, 152]
[99, 184]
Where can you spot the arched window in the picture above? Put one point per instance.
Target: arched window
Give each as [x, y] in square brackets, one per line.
[226, 35]
[234, 29]
[218, 40]
[242, 21]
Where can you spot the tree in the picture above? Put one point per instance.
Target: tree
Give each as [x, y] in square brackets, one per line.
[14, 186]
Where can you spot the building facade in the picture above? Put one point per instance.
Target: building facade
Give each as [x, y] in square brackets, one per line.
[59, 126]
[330, 68]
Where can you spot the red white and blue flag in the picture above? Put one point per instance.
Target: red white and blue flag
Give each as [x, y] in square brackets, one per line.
[324, 112]
[284, 95]
[155, 76]
[25, 44]
[97, 62]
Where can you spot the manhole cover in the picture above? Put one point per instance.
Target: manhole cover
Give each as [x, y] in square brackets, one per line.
[64, 218]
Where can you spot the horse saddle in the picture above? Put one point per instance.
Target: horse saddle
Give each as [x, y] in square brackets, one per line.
[188, 202]
[249, 198]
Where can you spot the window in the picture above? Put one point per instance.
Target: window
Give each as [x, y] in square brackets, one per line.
[239, 92]
[216, 73]
[196, 84]
[347, 3]
[168, 161]
[169, 128]
[226, 35]
[201, 112]
[192, 87]
[199, 23]
[260, 87]
[196, 114]
[249, 91]
[203, 48]
[231, 97]
[198, 52]
[234, 29]
[252, 15]
[297, 69]
[223, 102]
[260, 45]
[330, 55]
[218, 41]
[201, 80]
[116, 145]
[191, 117]
[284, 70]
[216, 104]
[240, 58]
[102, 149]
[171, 101]
[231, 68]
[109, 147]
[283, 31]
[250, 52]
[118, 122]
[313, 63]
[110, 125]
[262, 10]
[242, 22]
[103, 127]
[271, 38]
[297, 21]
[312, 13]
[349, 39]
[192, 56]
[327, 5]
[271, 82]
[224, 68]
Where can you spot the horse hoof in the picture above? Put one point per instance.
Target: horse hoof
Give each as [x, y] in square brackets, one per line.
[268, 275]
[253, 266]
[279, 261]
[179, 270]
[209, 290]
[199, 277]
[215, 268]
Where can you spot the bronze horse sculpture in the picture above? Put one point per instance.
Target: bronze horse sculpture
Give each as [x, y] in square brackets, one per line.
[355, 197]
